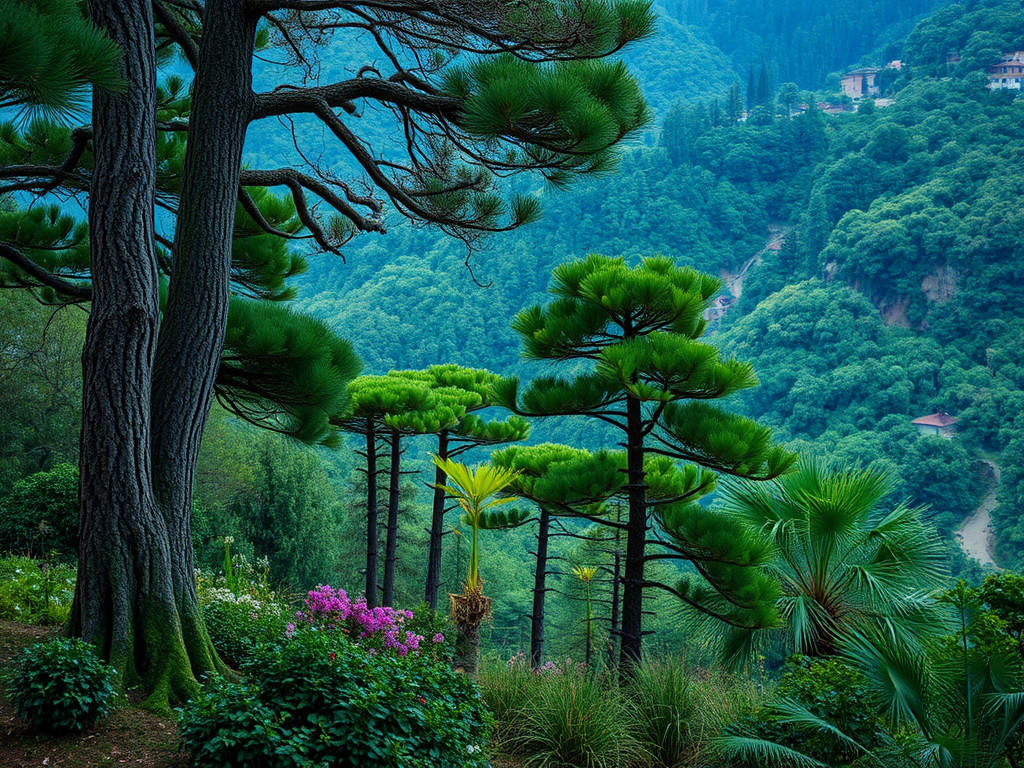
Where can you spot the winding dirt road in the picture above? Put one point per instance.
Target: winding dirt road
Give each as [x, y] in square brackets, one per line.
[974, 534]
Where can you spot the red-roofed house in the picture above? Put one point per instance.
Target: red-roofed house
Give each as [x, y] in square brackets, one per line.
[941, 424]
[1008, 73]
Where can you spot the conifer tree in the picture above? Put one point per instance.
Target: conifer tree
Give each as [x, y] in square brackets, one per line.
[375, 402]
[735, 107]
[650, 377]
[560, 480]
[476, 91]
[456, 393]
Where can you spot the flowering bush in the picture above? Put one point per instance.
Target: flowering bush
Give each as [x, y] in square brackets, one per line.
[241, 617]
[380, 629]
[319, 699]
[34, 592]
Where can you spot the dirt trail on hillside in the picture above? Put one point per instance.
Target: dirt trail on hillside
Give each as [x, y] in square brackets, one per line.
[976, 531]
[734, 283]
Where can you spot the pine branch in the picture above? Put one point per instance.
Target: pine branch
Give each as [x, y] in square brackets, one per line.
[29, 267]
[290, 101]
[177, 32]
[298, 183]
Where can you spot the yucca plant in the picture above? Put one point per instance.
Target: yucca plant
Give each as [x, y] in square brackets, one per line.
[845, 560]
[477, 491]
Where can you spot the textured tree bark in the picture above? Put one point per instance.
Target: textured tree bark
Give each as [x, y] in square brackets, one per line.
[636, 538]
[437, 526]
[192, 331]
[539, 591]
[124, 597]
[391, 544]
[371, 514]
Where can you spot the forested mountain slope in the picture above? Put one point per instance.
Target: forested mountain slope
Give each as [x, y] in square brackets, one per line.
[896, 292]
[804, 40]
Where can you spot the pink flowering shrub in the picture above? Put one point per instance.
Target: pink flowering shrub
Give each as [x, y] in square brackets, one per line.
[381, 629]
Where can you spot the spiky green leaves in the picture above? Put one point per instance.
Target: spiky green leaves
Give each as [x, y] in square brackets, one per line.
[455, 392]
[563, 118]
[383, 401]
[714, 438]
[845, 561]
[477, 490]
[284, 371]
[262, 263]
[49, 55]
[668, 366]
[561, 478]
[600, 302]
[51, 239]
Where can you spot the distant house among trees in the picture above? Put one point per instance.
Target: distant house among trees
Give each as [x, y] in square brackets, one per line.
[1008, 73]
[861, 82]
[941, 424]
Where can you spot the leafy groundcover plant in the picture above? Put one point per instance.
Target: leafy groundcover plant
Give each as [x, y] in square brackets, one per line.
[35, 592]
[328, 695]
[60, 686]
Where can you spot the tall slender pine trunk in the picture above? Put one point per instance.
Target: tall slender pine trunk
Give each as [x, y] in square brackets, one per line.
[437, 525]
[195, 319]
[146, 395]
[124, 596]
[631, 646]
[371, 514]
[539, 590]
[391, 544]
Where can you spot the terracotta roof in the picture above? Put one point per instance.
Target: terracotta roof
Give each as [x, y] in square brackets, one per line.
[941, 419]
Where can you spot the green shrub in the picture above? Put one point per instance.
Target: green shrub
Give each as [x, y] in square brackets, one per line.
[319, 699]
[40, 516]
[34, 592]
[60, 686]
[242, 619]
[830, 689]
[578, 719]
[428, 624]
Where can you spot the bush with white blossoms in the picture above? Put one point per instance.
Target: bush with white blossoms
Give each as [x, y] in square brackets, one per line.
[241, 612]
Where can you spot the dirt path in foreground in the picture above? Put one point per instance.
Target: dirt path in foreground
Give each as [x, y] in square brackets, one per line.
[976, 531]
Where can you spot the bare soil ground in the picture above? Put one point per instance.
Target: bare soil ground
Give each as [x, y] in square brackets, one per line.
[129, 737]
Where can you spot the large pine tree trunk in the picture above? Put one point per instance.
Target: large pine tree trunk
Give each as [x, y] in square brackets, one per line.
[539, 591]
[124, 597]
[194, 323]
[636, 538]
[391, 544]
[437, 525]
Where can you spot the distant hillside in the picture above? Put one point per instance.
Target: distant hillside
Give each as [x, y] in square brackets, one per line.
[804, 40]
[896, 291]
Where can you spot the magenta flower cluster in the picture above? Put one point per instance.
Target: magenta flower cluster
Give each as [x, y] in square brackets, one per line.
[379, 629]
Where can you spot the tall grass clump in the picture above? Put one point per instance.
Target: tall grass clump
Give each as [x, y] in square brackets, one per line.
[508, 690]
[578, 719]
[680, 712]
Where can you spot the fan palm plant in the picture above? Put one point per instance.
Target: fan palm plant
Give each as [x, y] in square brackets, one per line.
[477, 491]
[845, 560]
[960, 705]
